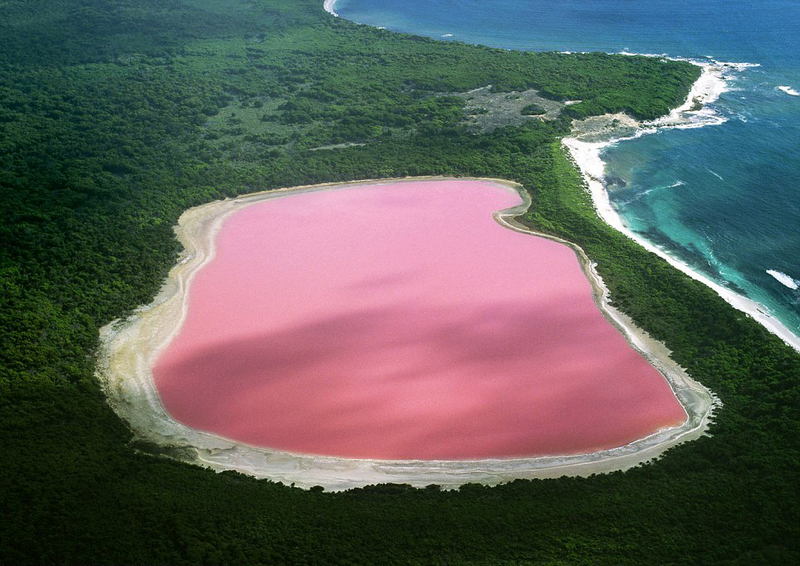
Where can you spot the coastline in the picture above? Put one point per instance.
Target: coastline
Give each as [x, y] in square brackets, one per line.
[329, 6]
[693, 113]
[129, 348]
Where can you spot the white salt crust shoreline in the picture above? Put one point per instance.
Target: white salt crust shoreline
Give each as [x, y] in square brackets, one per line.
[129, 349]
[692, 114]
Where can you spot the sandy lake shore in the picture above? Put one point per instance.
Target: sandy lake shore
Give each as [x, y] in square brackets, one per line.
[130, 347]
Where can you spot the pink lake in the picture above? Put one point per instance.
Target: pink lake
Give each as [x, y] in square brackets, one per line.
[401, 321]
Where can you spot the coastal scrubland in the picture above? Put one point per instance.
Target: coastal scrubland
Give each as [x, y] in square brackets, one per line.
[115, 116]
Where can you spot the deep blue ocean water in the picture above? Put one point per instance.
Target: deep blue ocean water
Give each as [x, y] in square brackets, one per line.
[724, 199]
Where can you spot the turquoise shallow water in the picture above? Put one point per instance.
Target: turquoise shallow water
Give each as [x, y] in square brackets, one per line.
[725, 199]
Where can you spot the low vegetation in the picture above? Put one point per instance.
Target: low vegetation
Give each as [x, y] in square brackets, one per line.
[533, 110]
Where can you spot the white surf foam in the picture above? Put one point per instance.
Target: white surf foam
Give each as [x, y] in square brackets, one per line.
[715, 80]
[694, 113]
[654, 189]
[784, 279]
[789, 90]
[587, 157]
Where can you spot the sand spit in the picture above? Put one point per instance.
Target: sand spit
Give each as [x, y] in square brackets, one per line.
[130, 347]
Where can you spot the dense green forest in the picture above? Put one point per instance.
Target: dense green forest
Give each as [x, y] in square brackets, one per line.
[117, 115]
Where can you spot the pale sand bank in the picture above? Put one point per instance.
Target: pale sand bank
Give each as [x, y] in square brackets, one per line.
[129, 349]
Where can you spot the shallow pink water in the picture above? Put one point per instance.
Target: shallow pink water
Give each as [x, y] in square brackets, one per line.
[403, 322]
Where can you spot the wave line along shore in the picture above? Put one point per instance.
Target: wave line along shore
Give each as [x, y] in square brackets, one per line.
[692, 114]
[586, 155]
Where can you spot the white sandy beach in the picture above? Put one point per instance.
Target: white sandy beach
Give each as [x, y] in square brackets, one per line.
[130, 347]
[691, 114]
[329, 7]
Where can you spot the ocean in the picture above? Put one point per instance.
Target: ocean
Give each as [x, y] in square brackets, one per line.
[723, 199]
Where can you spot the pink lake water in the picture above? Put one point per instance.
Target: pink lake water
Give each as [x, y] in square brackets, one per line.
[401, 321]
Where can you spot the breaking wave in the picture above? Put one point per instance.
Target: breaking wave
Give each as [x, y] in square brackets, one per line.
[784, 279]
